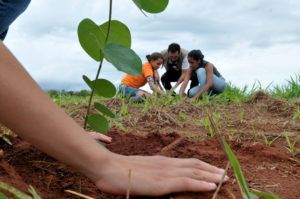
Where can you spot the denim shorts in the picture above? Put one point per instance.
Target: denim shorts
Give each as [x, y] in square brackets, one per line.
[9, 11]
[127, 91]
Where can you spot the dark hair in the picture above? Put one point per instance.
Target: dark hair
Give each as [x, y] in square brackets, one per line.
[173, 47]
[196, 55]
[154, 56]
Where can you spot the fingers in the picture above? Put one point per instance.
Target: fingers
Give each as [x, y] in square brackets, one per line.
[100, 136]
[198, 174]
[182, 184]
[161, 162]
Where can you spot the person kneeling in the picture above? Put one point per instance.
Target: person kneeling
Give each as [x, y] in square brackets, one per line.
[130, 85]
[210, 80]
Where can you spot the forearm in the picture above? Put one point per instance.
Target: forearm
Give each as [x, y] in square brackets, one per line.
[180, 80]
[203, 90]
[28, 111]
[182, 88]
[155, 88]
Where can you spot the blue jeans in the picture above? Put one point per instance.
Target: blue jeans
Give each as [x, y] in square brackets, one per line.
[219, 84]
[9, 11]
[127, 91]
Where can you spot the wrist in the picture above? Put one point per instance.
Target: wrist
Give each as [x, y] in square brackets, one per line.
[97, 163]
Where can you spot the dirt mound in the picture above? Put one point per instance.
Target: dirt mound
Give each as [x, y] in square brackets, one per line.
[265, 168]
[272, 104]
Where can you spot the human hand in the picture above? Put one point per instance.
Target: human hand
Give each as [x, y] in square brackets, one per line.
[100, 136]
[157, 175]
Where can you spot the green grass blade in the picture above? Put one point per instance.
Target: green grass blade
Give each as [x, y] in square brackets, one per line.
[237, 170]
[34, 193]
[265, 195]
[14, 191]
[2, 196]
[296, 115]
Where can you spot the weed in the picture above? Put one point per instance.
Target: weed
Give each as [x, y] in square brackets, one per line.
[291, 145]
[267, 141]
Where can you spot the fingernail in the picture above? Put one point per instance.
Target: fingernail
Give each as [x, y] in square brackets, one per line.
[222, 170]
[212, 185]
[226, 178]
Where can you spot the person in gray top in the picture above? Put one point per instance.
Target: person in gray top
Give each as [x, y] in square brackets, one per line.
[210, 80]
[176, 65]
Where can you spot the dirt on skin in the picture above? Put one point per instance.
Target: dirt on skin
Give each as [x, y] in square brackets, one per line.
[177, 131]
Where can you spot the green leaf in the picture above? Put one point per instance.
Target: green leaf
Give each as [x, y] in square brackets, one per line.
[2, 196]
[296, 115]
[98, 123]
[14, 191]
[119, 34]
[7, 140]
[265, 195]
[103, 109]
[92, 37]
[34, 193]
[124, 59]
[89, 36]
[103, 87]
[237, 169]
[152, 6]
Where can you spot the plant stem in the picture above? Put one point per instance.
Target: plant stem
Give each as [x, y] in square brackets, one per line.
[100, 66]
[97, 75]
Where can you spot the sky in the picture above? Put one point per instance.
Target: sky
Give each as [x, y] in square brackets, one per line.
[248, 41]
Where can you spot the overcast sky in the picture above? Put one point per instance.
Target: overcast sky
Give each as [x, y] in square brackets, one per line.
[246, 40]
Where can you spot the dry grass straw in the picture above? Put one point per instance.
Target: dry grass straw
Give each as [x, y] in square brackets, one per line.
[129, 185]
[79, 194]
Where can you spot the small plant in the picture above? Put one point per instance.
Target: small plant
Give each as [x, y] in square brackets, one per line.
[291, 145]
[267, 141]
[182, 116]
[111, 41]
[241, 116]
[297, 114]
[208, 126]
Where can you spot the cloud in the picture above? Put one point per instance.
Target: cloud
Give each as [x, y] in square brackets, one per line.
[247, 41]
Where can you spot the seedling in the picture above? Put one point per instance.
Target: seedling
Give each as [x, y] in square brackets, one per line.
[291, 145]
[241, 116]
[267, 141]
[111, 41]
[183, 116]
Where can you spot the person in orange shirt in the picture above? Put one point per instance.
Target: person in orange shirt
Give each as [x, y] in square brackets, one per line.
[130, 85]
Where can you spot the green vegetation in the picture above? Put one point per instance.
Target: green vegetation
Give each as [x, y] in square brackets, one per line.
[290, 91]
[4, 134]
[16, 193]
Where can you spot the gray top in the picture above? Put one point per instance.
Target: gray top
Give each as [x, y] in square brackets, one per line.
[215, 70]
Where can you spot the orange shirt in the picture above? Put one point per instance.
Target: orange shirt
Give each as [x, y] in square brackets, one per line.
[139, 81]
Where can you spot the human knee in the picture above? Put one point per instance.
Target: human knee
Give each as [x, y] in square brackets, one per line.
[201, 74]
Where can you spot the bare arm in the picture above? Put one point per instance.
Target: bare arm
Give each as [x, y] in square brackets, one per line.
[156, 76]
[186, 81]
[154, 87]
[180, 80]
[209, 80]
[28, 111]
